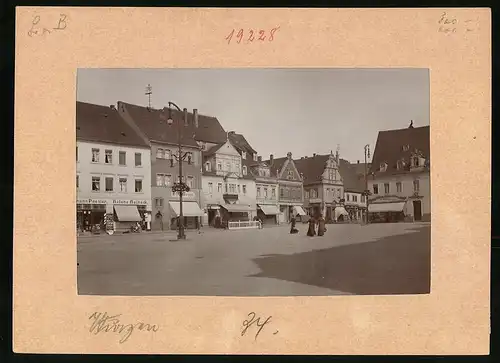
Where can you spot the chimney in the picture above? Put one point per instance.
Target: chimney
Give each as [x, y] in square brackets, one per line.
[112, 107]
[271, 158]
[195, 117]
[259, 158]
[185, 116]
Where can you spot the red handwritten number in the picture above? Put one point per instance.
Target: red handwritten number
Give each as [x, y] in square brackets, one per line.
[240, 36]
[262, 36]
[251, 37]
[230, 36]
[274, 30]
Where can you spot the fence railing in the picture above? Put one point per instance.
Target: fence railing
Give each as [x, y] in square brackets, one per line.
[243, 224]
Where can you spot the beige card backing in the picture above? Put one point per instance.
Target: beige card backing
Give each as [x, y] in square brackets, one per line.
[49, 316]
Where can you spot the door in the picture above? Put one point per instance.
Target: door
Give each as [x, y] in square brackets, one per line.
[417, 210]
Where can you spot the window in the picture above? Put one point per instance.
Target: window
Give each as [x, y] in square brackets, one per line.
[265, 193]
[354, 198]
[95, 155]
[77, 153]
[225, 187]
[362, 199]
[237, 168]
[406, 147]
[208, 166]
[386, 188]
[109, 184]
[282, 193]
[168, 180]
[190, 182]
[239, 189]
[159, 202]
[123, 185]
[219, 187]
[415, 161]
[210, 187]
[399, 165]
[138, 185]
[160, 180]
[167, 154]
[138, 159]
[399, 187]
[375, 188]
[347, 198]
[244, 189]
[273, 192]
[77, 182]
[416, 185]
[108, 156]
[383, 167]
[219, 166]
[228, 166]
[96, 183]
[243, 154]
[189, 157]
[254, 157]
[290, 174]
[258, 192]
[306, 194]
[159, 153]
[122, 158]
[232, 188]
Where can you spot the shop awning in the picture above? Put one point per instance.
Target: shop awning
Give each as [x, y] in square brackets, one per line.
[299, 210]
[386, 207]
[269, 210]
[237, 208]
[339, 211]
[189, 209]
[127, 213]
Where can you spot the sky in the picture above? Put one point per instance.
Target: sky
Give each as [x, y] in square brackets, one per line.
[303, 111]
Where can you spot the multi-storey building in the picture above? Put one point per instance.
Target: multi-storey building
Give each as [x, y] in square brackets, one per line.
[323, 186]
[399, 180]
[290, 186]
[354, 187]
[228, 188]
[163, 138]
[266, 185]
[113, 169]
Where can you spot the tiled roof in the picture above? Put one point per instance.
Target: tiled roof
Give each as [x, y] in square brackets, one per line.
[212, 150]
[312, 167]
[209, 128]
[348, 172]
[103, 124]
[240, 143]
[389, 147]
[276, 165]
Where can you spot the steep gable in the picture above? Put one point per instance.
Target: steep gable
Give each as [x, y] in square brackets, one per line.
[289, 171]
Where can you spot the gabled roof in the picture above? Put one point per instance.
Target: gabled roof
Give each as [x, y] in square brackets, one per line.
[240, 143]
[148, 120]
[389, 147]
[348, 172]
[103, 124]
[212, 150]
[276, 165]
[312, 167]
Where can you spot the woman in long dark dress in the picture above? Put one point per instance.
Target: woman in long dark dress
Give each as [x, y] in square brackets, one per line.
[311, 231]
[292, 228]
[321, 226]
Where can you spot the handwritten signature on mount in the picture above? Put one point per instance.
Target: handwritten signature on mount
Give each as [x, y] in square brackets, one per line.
[253, 319]
[449, 24]
[102, 322]
[37, 29]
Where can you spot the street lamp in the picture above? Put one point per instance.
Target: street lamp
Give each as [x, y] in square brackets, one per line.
[180, 186]
[367, 192]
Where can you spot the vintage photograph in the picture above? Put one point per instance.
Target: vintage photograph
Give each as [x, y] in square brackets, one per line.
[253, 182]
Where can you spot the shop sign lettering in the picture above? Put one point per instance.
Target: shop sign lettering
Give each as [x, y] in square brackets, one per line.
[185, 195]
[130, 202]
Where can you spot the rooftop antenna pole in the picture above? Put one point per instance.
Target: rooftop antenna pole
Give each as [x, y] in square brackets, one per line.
[149, 91]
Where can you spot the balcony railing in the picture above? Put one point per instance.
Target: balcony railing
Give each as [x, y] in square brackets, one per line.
[244, 225]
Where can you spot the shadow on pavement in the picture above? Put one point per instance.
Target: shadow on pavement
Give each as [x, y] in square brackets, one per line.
[399, 264]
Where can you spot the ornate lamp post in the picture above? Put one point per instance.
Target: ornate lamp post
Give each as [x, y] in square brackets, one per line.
[367, 192]
[179, 187]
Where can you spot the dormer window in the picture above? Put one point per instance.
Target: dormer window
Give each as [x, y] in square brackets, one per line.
[383, 167]
[243, 154]
[244, 170]
[208, 166]
[415, 161]
[406, 147]
[254, 157]
[400, 165]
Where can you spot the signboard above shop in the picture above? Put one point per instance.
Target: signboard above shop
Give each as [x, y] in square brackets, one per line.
[112, 201]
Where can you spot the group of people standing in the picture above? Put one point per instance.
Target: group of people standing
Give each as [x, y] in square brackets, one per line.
[320, 222]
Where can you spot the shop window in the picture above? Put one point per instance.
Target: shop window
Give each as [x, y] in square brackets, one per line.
[109, 184]
[96, 183]
[138, 159]
[108, 156]
[138, 185]
[123, 185]
[122, 158]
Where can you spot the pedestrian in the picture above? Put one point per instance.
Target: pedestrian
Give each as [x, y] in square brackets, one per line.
[293, 230]
[321, 226]
[311, 231]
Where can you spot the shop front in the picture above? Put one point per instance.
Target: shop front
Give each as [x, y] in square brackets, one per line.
[299, 213]
[268, 213]
[340, 214]
[90, 215]
[236, 212]
[128, 213]
[191, 211]
[386, 212]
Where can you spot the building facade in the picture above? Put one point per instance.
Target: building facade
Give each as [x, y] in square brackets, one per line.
[228, 189]
[323, 186]
[113, 166]
[163, 139]
[290, 187]
[354, 187]
[399, 181]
